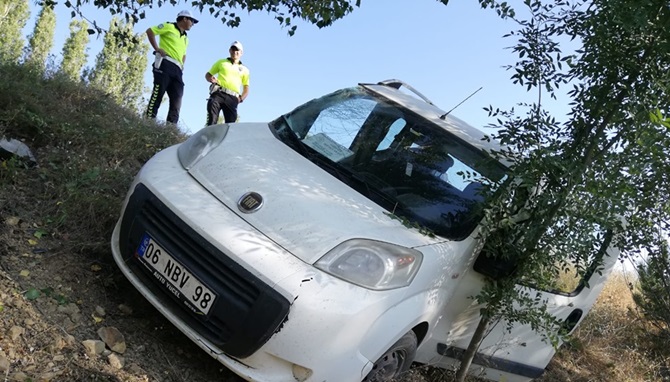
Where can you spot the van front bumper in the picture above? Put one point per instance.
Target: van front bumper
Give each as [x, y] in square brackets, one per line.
[278, 319]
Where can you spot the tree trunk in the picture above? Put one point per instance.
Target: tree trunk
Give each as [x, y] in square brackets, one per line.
[473, 346]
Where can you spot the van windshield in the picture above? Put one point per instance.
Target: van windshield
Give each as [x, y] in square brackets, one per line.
[407, 164]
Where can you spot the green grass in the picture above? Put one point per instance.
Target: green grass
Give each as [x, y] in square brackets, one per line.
[88, 150]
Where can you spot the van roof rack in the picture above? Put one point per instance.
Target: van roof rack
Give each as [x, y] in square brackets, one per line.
[394, 83]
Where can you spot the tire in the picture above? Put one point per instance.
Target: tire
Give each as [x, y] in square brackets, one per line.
[395, 361]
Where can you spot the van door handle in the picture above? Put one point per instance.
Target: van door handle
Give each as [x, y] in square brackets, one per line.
[571, 321]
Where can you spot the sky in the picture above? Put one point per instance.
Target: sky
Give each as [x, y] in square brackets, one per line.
[445, 52]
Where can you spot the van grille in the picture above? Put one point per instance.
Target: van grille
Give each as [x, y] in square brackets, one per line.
[247, 311]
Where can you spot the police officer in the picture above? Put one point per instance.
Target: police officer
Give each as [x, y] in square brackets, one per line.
[226, 77]
[170, 55]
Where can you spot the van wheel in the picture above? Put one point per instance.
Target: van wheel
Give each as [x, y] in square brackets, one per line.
[395, 361]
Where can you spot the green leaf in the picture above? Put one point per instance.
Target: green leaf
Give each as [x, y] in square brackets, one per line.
[48, 291]
[32, 294]
[39, 233]
[61, 300]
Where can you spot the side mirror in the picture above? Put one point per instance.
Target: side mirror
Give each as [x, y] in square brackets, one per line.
[494, 268]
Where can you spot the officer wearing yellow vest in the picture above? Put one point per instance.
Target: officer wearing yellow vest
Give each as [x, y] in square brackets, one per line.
[229, 85]
[170, 55]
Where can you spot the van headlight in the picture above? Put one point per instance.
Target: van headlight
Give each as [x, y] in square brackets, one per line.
[372, 264]
[198, 145]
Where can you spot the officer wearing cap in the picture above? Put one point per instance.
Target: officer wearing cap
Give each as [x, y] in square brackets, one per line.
[168, 65]
[229, 87]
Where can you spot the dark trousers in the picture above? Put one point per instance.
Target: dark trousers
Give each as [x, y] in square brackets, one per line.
[168, 79]
[219, 101]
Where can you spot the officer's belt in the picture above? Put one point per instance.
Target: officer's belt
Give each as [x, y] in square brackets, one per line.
[228, 91]
[172, 60]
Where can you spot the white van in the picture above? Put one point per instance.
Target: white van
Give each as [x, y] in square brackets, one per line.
[336, 243]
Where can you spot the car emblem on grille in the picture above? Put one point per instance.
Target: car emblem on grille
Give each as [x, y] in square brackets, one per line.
[250, 202]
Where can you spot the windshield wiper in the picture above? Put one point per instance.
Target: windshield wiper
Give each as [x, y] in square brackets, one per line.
[295, 141]
[360, 183]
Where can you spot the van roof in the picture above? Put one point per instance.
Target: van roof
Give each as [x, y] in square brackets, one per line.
[422, 106]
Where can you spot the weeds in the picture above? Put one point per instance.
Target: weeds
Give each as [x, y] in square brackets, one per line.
[9, 168]
[613, 343]
[653, 292]
[88, 151]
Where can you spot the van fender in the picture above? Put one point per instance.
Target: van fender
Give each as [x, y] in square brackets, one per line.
[398, 320]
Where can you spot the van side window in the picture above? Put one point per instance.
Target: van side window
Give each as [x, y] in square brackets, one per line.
[567, 281]
[570, 279]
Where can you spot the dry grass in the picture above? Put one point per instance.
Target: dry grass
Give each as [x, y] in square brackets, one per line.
[614, 343]
[90, 149]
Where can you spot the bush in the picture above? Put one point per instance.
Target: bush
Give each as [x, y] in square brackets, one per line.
[88, 150]
[653, 294]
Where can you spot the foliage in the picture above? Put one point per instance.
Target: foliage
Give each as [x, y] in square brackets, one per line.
[612, 343]
[321, 13]
[10, 169]
[574, 181]
[88, 150]
[653, 296]
[74, 50]
[13, 17]
[42, 39]
[119, 67]
[34, 294]
[577, 180]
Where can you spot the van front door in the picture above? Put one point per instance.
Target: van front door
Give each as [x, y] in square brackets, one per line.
[520, 354]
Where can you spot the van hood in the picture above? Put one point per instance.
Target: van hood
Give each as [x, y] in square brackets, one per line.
[304, 209]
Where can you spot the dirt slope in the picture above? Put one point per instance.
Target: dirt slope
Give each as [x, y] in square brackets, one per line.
[50, 302]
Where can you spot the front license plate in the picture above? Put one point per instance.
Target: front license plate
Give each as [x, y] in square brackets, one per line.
[175, 277]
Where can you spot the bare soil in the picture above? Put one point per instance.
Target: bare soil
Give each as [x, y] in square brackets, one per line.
[52, 299]
[50, 302]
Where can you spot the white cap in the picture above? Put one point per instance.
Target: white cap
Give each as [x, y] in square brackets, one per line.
[237, 45]
[187, 13]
